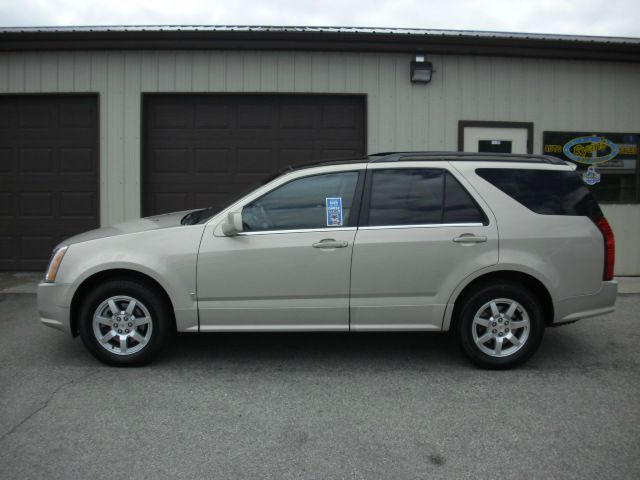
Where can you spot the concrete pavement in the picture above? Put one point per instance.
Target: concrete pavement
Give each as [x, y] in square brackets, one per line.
[296, 406]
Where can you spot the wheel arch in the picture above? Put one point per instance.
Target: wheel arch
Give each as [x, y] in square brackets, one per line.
[535, 285]
[114, 274]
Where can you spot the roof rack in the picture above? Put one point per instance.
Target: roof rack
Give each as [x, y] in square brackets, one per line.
[463, 156]
[423, 156]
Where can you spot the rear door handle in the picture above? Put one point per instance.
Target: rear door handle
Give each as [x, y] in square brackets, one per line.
[470, 238]
[330, 243]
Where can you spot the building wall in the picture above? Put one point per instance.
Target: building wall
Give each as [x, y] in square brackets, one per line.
[553, 94]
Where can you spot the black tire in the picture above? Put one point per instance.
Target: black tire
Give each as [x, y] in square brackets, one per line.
[147, 297]
[477, 301]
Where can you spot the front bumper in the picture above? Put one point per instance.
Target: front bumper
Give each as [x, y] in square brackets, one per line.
[54, 306]
[576, 308]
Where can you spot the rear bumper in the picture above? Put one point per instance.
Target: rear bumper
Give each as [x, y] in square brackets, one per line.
[53, 306]
[576, 308]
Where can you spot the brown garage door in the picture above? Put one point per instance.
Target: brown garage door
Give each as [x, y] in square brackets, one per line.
[48, 175]
[199, 150]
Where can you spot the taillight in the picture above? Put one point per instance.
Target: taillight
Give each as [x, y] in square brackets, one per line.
[609, 247]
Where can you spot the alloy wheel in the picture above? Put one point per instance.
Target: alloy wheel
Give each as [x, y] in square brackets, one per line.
[501, 327]
[122, 325]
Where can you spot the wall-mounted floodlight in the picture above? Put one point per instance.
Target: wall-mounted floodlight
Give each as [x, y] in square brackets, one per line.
[421, 70]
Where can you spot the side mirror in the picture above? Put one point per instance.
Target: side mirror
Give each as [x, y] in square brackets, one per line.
[233, 225]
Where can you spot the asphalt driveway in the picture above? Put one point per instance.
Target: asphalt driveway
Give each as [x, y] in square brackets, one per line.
[291, 406]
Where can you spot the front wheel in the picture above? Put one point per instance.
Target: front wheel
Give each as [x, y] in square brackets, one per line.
[124, 323]
[500, 326]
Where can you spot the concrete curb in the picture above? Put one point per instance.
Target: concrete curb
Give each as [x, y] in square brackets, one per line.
[628, 284]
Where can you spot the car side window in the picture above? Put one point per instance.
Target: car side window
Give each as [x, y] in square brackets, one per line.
[459, 206]
[318, 201]
[419, 196]
[405, 197]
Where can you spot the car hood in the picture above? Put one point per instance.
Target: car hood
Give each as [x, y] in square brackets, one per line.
[134, 226]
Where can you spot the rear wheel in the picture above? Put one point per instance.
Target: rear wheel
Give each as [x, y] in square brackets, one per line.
[124, 323]
[500, 325]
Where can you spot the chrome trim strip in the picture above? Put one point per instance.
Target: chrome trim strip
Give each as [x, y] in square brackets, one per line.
[431, 225]
[274, 328]
[352, 229]
[302, 230]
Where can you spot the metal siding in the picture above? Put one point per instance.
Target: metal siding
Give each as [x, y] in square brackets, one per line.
[387, 93]
[167, 72]
[625, 222]
[268, 72]
[65, 72]
[81, 72]
[301, 73]
[200, 82]
[320, 73]
[217, 72]
[553, 94]
[149, 74]
[184, 71]
[370, 85]
[131, 126]
[115, 135]
[16, 73]
[286, 77]
[33, 72]
[435, 108]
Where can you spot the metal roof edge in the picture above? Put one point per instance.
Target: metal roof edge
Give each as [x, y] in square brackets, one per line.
[459, 42]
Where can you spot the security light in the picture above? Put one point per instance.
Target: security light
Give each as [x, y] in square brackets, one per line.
[421, 70]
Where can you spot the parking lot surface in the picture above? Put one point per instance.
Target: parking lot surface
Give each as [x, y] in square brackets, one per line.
[292, 406]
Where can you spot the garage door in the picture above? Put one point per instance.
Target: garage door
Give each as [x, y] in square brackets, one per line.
[48, 175]
[199, 150]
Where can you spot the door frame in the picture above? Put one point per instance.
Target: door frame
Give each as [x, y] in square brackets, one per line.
[462, 124]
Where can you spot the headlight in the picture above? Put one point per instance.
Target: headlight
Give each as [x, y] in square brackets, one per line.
[54, 264]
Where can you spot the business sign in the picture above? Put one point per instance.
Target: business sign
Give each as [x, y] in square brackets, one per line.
[604, 150]
[590, 150]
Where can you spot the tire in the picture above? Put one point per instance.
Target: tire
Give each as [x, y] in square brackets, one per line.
[486, 320]
[132, 338]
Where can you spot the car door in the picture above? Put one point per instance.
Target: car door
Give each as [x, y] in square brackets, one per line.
[421, 233]
[289, 268]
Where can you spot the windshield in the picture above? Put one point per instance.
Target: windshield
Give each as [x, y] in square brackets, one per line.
[204, 214]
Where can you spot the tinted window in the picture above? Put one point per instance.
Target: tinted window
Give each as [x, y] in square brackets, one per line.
[301, 203]
[415, 197]
[548, 192]
[406, 197]
[459, 207]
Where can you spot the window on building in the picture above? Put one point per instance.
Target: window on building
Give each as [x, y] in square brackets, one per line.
[607, 162]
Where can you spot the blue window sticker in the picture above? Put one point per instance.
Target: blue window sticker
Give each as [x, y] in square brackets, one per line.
[334, 212]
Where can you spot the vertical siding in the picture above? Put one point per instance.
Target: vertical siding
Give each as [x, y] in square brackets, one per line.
[131, 127]
[553, 94]
[33, 72]
[625, 222]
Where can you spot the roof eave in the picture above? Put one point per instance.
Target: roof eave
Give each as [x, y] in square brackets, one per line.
[319, 41]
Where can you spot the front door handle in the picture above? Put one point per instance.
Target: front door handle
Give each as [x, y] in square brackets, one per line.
[470, 238]
[330, 243]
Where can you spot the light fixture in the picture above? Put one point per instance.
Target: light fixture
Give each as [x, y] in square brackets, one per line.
[421, 70]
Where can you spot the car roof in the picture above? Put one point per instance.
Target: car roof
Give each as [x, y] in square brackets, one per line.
[422, 156]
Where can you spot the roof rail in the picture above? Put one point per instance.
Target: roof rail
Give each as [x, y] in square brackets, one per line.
[424, 156]
[464, 156]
